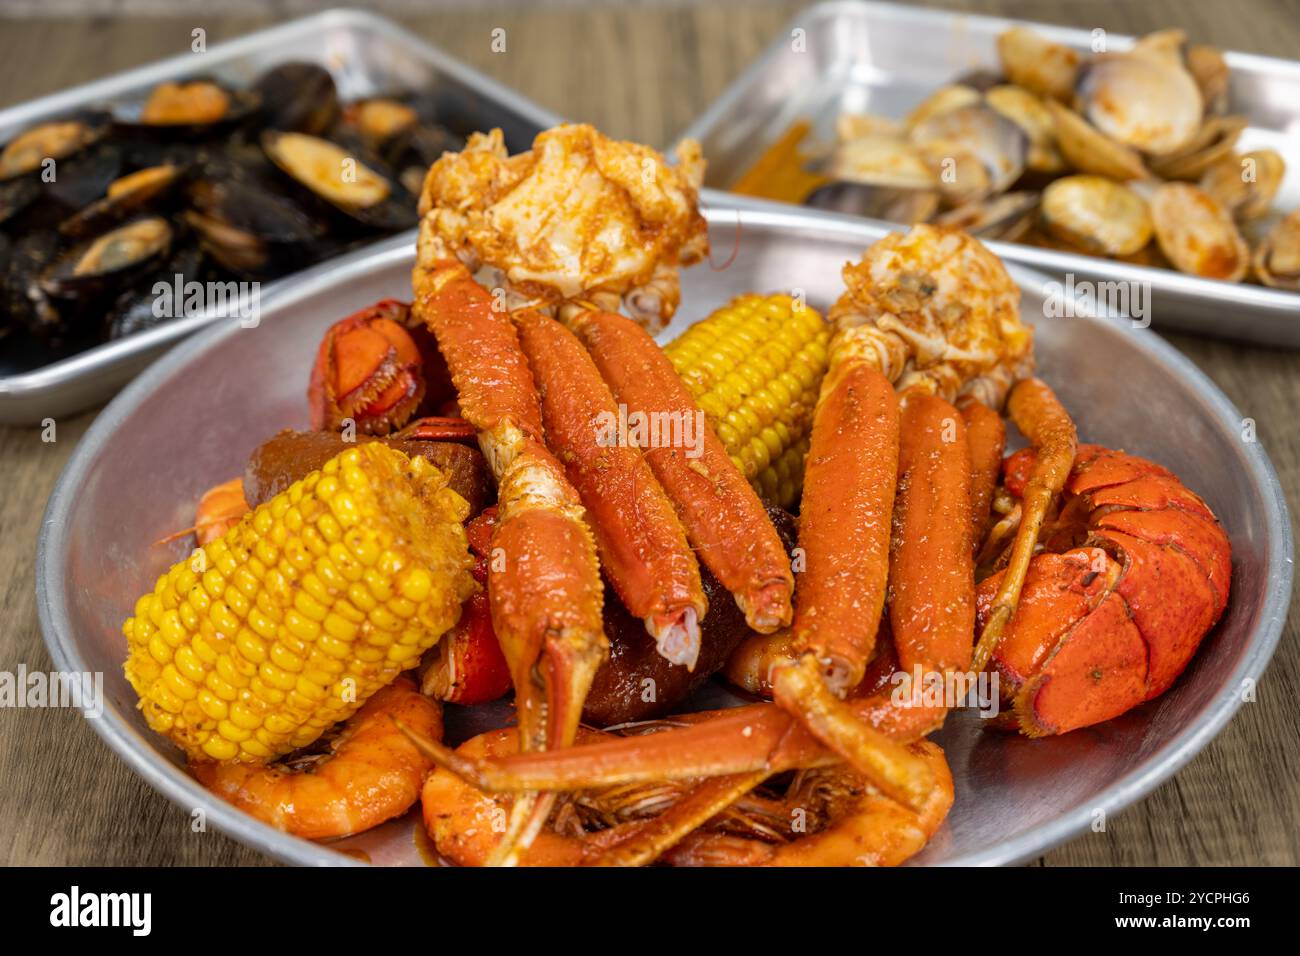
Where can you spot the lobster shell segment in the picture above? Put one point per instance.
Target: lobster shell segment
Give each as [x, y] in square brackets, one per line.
[1104, 627]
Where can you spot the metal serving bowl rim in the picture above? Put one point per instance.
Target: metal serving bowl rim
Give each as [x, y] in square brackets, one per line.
[141, 754]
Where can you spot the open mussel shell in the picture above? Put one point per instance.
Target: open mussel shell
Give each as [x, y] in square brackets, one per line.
[1008, 216]
[340, 178]
[197, 107]
[1147, 102]
[1089, 150]
[1097, 215]
[57, 140]
[1196, 234]
[298, 97]
[1214, 141]
[16, 195]
[25, 302]
[249, 229]
[1277, 258]
[1038, 64]
[1246, 185]
[139, 307]
[891, 203]
[105, 263]
[124, 197]
[977, 150]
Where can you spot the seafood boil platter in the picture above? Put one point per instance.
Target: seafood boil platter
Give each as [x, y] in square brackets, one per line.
[419, 482]
[1153, 165]
[184, 158]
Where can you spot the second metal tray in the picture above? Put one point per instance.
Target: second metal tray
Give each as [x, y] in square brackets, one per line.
[885, 59]
[366, 54]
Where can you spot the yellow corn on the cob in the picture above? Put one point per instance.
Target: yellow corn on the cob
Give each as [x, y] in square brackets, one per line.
[266, 637]
[755, 366]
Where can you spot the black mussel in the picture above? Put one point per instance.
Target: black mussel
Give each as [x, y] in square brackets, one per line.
[125, 197]
[81, 180]
[250, 206]
[298, 97]
[336, 175]
[191, 108]
[31, 150]
[141, 307]
[16, 195]
[24, 300]
[249, 229]
[102, 265]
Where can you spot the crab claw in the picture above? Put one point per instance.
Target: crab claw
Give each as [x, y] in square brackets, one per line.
[368, 370]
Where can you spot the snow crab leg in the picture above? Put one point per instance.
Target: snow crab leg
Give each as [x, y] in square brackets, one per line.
[544, 588]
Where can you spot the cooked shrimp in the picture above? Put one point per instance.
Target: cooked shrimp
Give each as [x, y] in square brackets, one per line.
[219, 510]
[829, 816]
[843, 821]
[370, 773]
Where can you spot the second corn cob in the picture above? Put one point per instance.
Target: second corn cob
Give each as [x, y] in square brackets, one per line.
[286, 624]
[755, 366]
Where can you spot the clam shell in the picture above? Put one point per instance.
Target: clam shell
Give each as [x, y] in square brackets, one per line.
[1089, 150]
[1277, 259]
[1038, 64]
[1096, 214]
[1196, 234]
[1247, 184]
[1143, 101]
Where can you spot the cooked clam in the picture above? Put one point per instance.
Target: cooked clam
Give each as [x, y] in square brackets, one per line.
[1197, 234]
[1038, 64]
[1089, 150]
[1008, 216]
[1210, 70]
[57, 140]
[891, 203]
[879, 160]
[1246, 185]
[976, 150]
[1213, 142]
[943, 100]
[1028, 111]
[1167, 46]
[1144, 101]
[1098, 215]
[1277, 259]
[856, 125]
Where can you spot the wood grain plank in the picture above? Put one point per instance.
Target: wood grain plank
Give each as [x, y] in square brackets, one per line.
[642, 72]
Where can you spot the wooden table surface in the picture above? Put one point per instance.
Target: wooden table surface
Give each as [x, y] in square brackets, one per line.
[641, 73]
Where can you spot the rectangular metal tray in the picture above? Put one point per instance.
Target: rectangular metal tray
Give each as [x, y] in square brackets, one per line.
[885, 59]
[367, 54]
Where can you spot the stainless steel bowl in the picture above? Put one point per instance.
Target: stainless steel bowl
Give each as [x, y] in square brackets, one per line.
[192, 418]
